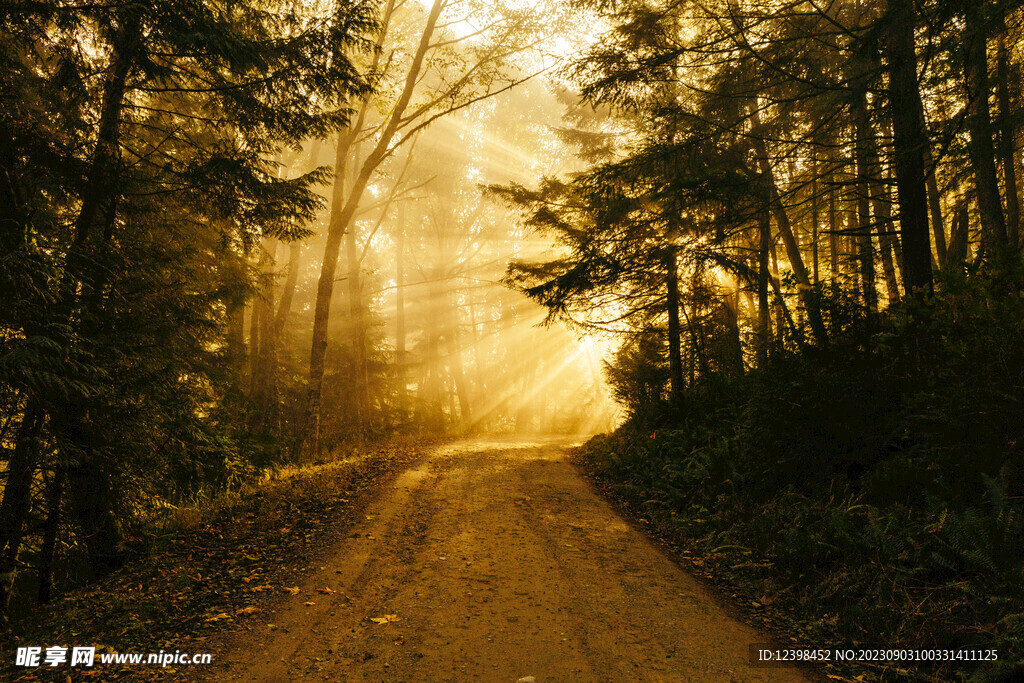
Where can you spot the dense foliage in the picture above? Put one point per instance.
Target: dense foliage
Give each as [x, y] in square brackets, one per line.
[872, 491]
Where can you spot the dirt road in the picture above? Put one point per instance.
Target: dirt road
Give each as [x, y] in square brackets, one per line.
[495, 561]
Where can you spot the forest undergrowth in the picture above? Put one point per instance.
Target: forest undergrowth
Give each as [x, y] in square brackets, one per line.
[216, 565]
[867, 493]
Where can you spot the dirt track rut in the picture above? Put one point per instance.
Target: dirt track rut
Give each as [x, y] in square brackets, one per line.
[499, 563]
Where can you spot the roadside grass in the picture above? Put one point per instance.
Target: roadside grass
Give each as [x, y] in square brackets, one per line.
[218, 564]
[828, 571]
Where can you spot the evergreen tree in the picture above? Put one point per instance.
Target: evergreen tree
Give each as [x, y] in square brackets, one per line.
[138, 163]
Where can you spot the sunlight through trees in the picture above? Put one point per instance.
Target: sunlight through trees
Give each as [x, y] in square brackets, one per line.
[242, 236]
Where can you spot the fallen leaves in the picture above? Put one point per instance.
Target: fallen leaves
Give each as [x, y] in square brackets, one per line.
[247, 611]
[218, 617]
[386, 619]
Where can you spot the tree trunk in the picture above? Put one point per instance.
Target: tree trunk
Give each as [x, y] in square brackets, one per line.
[833, 229]
[881, 206]
[324, 293]
[865, 248]
[357, 319]
[455, 366]
[891, 254]
[957, 253]
[343, 211]
[909, 142]
[284, 306]
[265, 369]
[477, 363]
[796, 260]
[1007, 139]
[17, 499]
[527, 398]
[49, 548]
[434, 386]
[814, 218]
[98, 186]
[979, 125]
[90, 493]
[935, 208]
[91, 481]
[886, 241]
[254, 341]
[235, 335]
[91, 497]
[675, 358]
[783, 318]
[401, 355]
[730, 308]
[764, 317]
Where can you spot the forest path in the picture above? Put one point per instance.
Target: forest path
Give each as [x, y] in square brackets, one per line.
[500, 563]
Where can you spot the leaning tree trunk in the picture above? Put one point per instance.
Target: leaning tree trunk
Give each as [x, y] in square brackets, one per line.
[783, 318]
[935, 207]
[979, 125]
[796, 261]
[343, 210]
[324, 294]
[98, 185]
